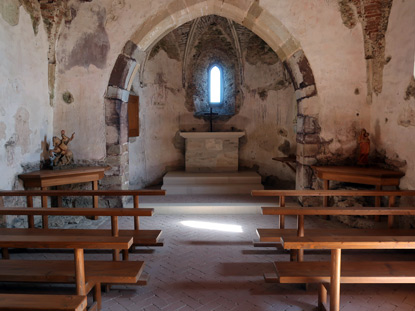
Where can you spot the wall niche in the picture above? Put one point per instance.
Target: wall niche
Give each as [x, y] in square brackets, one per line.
[173, 89]
[214, 42]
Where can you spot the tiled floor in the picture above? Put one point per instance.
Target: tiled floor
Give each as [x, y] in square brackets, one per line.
[208, 262]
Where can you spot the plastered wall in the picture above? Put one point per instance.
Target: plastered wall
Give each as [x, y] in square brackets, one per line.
[92, 34]
[26, 118]
[393, 110]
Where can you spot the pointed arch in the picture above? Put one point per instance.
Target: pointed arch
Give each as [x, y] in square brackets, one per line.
[248, 13]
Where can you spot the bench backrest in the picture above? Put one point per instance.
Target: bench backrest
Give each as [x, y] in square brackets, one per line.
[348, 242]
[73, 242]
[61, 211]
[324, 193]
[338, 211]
[77, 193]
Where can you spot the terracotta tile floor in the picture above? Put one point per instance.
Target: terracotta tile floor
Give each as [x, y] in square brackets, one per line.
[208, 262]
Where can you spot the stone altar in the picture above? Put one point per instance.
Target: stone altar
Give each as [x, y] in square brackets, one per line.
[212, 151]
[211, 162]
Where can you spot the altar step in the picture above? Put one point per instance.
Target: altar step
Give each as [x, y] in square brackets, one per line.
[181, 182]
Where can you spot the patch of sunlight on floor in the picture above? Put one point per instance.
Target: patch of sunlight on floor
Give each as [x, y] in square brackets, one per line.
[212, 226]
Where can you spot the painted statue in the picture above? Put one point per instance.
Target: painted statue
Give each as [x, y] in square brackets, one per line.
[60, 154]
[364, 148]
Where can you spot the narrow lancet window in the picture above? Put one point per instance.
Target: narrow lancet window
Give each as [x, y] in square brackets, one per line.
[215, 85]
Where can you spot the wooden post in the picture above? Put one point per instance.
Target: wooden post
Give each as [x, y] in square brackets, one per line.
[30, 218]
[125, 254]
[322, 296]
[282, 217]
[391, 204]
[60, 204]
[335, 279]
[300, 233]
[115, 232]
[95, 197]
[97, 295]
[45, 223]
[5, 253]
[326, 186]
[80, 272]
[136, 218]
[377, 202]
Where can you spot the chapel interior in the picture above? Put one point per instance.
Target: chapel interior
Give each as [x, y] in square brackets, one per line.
[209, 106]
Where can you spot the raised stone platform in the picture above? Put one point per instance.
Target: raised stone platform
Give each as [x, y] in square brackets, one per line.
[180, 182]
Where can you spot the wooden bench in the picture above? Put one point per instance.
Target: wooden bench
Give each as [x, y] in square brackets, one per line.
[282, 210]
[142, 237]
[61, 271]
[78, 243]
[274, 235]
[300, 212]
[360, 272]
[139, 236]
[283, 194]
[37, 302]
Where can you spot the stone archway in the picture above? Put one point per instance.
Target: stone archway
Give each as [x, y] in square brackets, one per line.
[249, 14]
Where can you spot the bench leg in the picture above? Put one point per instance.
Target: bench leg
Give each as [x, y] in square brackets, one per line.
[300, 255]
[97, 295]
[116, 255]
[293, 255]
[335, 280]
[322, 297]
[125, 254]
[5, 253]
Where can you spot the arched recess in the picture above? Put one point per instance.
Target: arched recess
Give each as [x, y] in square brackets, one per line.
[249, 14]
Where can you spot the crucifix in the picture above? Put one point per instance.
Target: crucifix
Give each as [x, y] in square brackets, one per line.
[211, 114]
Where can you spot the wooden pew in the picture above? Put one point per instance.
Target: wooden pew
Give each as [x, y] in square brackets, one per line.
[142, 237]
[114, 213]
[78, 243]
[283, 194]
[361, 272]
[265, 234]
[37, 302]
[274, 235]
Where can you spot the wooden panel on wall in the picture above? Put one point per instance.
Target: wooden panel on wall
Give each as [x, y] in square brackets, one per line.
[133, 116]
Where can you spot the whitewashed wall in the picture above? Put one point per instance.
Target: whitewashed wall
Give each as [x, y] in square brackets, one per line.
[26, 117]
[393, 117]
[335, 53]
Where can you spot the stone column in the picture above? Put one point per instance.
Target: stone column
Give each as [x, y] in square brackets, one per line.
[308, 129]
[116, 120]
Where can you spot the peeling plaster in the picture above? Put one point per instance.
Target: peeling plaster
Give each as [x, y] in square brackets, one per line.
[10, 148]
[407, 117]
[285, 147]
[374, 18]
[390, 162]
[68, 97]
[23, 130]
[410, 91]
[3, 128]
[32, 7]
[9, 10]
[93, 46]
[116, 6]
[347, 13]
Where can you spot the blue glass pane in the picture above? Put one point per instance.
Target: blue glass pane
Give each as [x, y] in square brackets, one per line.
[215, 85]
